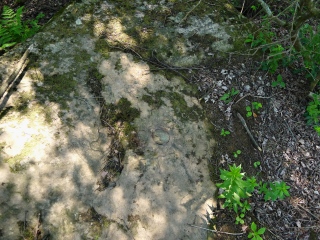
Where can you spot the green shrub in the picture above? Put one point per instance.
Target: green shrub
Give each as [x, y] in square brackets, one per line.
[13, 30]
[307, 51]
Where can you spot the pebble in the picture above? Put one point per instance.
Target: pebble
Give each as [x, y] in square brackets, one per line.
[160, 136]
[247, 88]
[78, 22]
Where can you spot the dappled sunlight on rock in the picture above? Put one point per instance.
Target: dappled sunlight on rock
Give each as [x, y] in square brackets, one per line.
[105, 147]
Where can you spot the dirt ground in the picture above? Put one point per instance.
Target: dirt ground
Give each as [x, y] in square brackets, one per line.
[290, 148]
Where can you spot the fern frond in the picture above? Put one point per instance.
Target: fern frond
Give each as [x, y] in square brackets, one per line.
[8, 13]
[13, 29]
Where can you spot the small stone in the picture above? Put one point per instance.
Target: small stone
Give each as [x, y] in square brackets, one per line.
[160, 136]
[224, 71]
[247, 88]
[260, 91]
[78, 22]
[298, 224]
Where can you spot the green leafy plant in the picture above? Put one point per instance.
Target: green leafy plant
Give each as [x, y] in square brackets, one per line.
[273, 191]
[236, 153]
[256, 164]
[274, 59]
[234, 186]
[279, 82]
[237, 189]
[255, 232]
[310, 40]
[13, 30]
[227, 97]
[224, 132]
[254, 8]
[313, 110]
[313, 113]
[255, 106]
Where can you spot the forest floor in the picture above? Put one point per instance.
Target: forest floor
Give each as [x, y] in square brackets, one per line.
[290, 148]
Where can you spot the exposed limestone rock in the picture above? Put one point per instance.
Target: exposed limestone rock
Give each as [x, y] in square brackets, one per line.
[58, 138]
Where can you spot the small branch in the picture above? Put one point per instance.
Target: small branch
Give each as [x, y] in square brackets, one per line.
[243, 6]
[312, 9]
[17, 71]
[309, 212]
[248, 131]
[270, 14]
[186, 16]
[215, 231]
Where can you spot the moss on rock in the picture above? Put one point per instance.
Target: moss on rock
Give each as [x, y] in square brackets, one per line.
[178, 103]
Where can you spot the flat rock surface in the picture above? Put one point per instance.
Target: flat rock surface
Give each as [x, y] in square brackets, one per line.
[55, 146]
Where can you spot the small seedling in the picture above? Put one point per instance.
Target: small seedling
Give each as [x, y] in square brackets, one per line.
[236, 153]
[254, 8]
[275, 190]
[239, 219]
[224, 132]
[255, 232]
[255, 106]
[256, 164]
[227, 97]
[279, 82]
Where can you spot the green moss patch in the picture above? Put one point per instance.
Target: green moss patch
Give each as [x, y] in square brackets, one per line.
[101, 46]
[118, 118]
[57, 88]
[122, 111]
[179, 104]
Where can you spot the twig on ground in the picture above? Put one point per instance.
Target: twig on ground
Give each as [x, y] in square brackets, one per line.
[247, 95]
[254, 96]
[278, 237]
[248, 131]
[308, 212]
[16, 73]
[186, 16]
[10, 81]
[215, 231]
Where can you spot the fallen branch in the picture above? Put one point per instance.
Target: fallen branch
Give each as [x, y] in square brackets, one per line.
[16, 73]
[215, 231]
[308, 212]
[248, 131]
